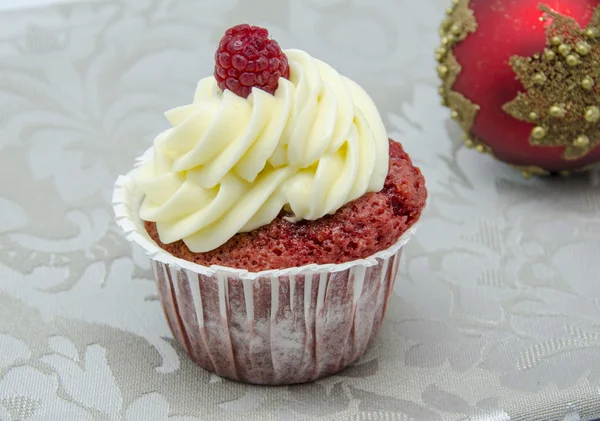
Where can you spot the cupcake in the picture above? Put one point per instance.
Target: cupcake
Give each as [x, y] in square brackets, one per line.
[274, 213]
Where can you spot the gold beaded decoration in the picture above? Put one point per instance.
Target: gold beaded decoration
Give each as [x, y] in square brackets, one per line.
[565, 108]
[591, 33]
[459, 23]
[539, 79]
[587, 83]
[557, 111]
[572, 60]
[564, 50]
[592, 114]
[549, 55]
[583, 48]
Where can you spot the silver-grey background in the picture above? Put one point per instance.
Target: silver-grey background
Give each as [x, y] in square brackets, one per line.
[496, 315]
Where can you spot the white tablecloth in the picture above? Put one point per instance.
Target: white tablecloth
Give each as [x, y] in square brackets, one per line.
[496, 314]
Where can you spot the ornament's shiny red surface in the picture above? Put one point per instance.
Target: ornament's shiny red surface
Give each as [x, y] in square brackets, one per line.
[507, 28]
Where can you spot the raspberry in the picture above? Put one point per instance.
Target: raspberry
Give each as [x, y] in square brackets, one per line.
[247, 58]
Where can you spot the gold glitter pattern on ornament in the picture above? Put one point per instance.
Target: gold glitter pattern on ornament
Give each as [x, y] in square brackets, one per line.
[565, 105]
[459, 23]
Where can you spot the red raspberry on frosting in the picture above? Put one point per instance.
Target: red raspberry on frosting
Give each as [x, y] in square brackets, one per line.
[247, 58]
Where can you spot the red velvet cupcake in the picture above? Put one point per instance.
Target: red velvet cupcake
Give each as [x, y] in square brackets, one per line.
[274, 212]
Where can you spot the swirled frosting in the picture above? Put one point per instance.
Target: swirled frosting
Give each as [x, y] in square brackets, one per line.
[230, 164]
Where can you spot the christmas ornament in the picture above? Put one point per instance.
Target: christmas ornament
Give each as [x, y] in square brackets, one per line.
[522, 79]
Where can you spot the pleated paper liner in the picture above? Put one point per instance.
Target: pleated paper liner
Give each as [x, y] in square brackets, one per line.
[272, 327]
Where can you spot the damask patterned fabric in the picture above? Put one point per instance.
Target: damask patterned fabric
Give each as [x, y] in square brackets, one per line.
[496, 314]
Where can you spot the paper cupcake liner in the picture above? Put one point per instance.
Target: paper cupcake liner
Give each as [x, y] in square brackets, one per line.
[272, 327]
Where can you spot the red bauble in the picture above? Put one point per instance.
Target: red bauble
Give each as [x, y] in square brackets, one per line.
[485, 76]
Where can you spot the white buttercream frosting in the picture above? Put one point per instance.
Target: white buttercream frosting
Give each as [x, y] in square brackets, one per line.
[230, 164]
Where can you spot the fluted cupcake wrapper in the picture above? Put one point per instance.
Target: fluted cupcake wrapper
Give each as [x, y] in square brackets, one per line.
[273, 327]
